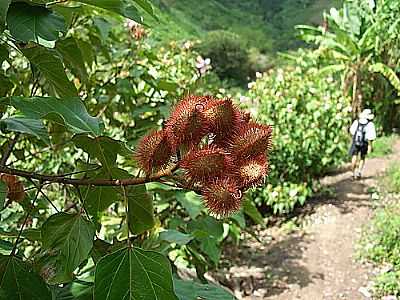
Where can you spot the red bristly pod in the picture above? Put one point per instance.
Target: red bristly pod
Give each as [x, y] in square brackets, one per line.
[251, 172]
[251, 140]
[154, 151]
[187, 125]
[222, 197]
[15, 188]
[221, 116]
[203, 164]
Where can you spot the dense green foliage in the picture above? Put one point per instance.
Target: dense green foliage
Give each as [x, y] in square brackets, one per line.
[309, 115]
[229, 56]
[360, 43]
[80, 90]
[380, 244]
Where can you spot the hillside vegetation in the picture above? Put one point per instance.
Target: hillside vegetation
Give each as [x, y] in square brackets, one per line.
[265, 24]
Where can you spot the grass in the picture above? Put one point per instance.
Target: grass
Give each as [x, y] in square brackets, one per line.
[380, 242]
[383, 146]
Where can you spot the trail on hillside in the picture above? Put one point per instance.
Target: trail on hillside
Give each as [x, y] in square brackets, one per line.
[318, 261]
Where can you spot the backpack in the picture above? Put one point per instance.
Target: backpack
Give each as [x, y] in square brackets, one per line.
[359, 135]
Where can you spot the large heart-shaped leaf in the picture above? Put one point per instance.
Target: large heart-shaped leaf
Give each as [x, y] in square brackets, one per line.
[133, 273]
[4, 4]
[123, 7]
[174, 236]
[104, 148]
[191, 202]
[140, 209]
[25, 125]
[50, 65]
[70, 112]
[72, 57]
[34, 23]
[19, 281]
[190, 290]
[67, 239]
[99, 198]
[251, 210]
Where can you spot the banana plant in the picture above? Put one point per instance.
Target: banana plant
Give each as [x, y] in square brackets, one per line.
[354, 41]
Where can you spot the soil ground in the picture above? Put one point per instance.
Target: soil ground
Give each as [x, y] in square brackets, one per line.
[316, 260]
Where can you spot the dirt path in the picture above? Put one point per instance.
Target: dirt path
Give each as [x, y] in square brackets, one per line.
[318, 261]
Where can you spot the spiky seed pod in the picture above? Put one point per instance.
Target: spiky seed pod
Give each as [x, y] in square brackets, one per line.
[221, 116]
[251, 172]
[15, 188]
[201, 165]
[187, 124]
[251, 140]
[154, 151]
[222, 197]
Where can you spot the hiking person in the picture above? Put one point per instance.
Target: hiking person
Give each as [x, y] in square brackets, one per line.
[363, 132]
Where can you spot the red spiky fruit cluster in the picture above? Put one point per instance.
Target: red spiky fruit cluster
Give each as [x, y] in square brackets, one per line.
[221, 151]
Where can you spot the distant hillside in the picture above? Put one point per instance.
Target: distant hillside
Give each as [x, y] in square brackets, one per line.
[265, 24]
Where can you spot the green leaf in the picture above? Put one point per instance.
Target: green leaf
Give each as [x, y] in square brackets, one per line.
[208, 224]
[87, 52]
[388, 73]
[5, 85]
[121, 7]
[211, 247]
[34, 23]
[68, 239]
[251, 210]
[134, 273]
[239, 219]
[174, 236]
[25, 125]
[19, 281]
[72, 57]
[104, 148]
[50, 65]
[146, 6]
[103, 27]
[99, 198]
[3, 194]
[70, 112]
[190, 290]
[140, 209]
[191, 202]
[4, 4]
[3, 53]
[168, 86]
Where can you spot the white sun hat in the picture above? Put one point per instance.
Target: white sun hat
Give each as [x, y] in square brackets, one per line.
[366, 114]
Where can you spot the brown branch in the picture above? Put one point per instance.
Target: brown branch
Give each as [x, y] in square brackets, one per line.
[9, 149]
[97, 182]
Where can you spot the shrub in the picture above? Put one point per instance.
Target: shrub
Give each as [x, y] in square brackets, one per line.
[383, 146]
[229, 55]
[310, 120]
[380, 244]
[393, 178]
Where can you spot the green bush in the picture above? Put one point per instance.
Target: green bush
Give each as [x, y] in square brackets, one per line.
[393, 178]
[229, 55]
[383, 146]
[310, 118]
[380, 244]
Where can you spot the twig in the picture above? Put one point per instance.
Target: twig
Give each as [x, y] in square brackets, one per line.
[44, 195]
[97, 182]
[23, 224]
[9, 149]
